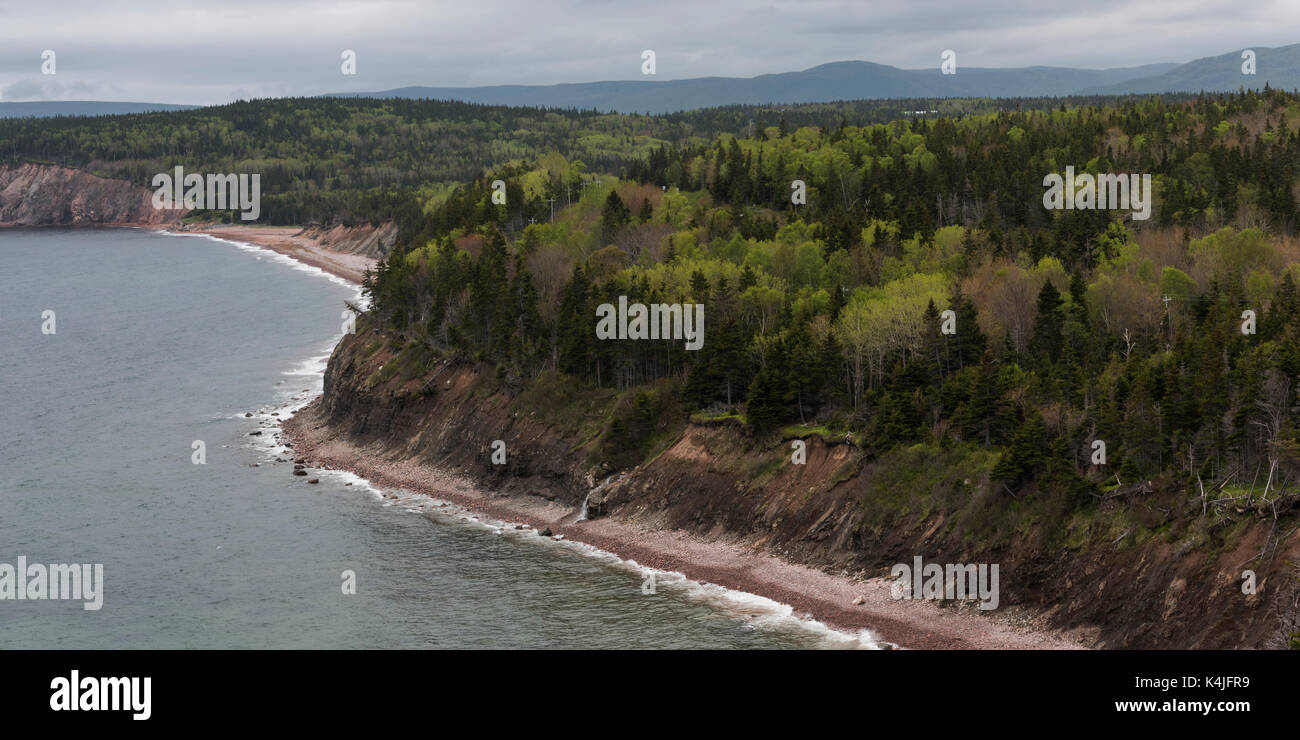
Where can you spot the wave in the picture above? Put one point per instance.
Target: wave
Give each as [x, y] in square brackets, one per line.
[268, 253]
[751, 610]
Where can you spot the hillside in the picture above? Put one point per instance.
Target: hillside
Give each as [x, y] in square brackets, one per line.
[847, 510]
[853, 80]
[332, 161]
[849, 80]
[1074, 333]
[1278, 68]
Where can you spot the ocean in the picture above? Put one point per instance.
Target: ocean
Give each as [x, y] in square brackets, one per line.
[163, 341]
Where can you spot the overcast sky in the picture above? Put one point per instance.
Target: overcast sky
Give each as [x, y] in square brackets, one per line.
[222, 50]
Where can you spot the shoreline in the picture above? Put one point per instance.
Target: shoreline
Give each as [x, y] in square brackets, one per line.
[285, 240]
[839, 602]
[288, 241]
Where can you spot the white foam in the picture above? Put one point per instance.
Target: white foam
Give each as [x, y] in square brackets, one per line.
[263, 252]
[309, 375]
[757, 612]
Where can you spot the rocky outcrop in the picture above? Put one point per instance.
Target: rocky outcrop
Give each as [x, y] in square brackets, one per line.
[49, 195]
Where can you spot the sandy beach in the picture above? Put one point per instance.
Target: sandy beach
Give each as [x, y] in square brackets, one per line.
[289, 240]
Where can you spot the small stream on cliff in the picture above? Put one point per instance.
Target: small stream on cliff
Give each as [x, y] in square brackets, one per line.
[161, 346]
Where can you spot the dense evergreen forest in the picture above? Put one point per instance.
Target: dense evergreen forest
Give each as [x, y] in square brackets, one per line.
[1072, 327]
[349, 160]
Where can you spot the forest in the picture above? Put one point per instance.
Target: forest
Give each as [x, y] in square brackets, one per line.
[1172, 342]
[350, 160]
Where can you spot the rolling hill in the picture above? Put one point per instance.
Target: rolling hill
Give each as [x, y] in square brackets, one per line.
[856, 80]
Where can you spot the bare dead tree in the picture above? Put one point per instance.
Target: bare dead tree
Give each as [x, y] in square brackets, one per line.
[1129, 344]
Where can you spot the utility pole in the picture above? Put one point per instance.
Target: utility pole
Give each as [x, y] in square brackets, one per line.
[1169, 322]
[552, 209]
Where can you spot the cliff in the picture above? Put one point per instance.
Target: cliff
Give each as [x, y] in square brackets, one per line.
[365, 240]
[847, 510]
[49, 195]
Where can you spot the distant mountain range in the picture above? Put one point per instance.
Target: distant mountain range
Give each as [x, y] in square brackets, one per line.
[1278, 67]
[834, 81]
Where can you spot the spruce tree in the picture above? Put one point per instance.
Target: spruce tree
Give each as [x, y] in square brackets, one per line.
[1045, 343]
[613, 216]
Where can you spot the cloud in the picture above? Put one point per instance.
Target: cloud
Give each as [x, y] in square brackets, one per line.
[190, 52]
[48, 87]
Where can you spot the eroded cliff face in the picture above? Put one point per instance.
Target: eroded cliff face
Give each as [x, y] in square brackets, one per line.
[716, 482]
[365, 240]
[49, 195]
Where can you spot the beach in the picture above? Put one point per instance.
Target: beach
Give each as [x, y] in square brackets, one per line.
[825, 597]
[290, 241]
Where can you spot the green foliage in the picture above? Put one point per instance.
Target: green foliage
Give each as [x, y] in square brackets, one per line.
[1027, 452]
[640, 422]
[1060, 330]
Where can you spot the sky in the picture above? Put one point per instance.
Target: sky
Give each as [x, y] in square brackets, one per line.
[224, 50]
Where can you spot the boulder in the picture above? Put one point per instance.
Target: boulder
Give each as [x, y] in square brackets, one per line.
[595, 504]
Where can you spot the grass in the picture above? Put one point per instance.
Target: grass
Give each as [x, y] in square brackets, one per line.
[704, 417]
[914, 481]
[758, 472]
[802, 431]
[572, 408]
[1089, 526]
